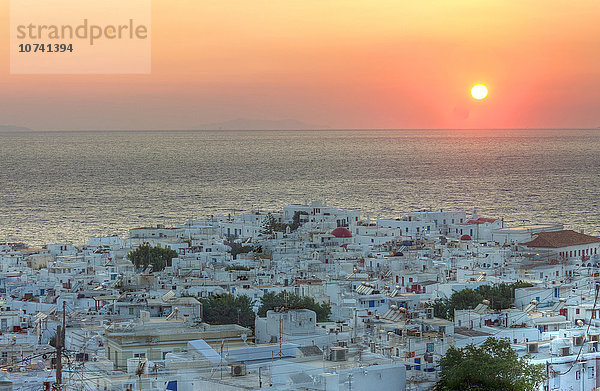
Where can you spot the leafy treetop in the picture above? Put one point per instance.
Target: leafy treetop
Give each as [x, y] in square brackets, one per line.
[500, 296]
[228, 309]
[157, 257]
[289, 300]
[493, 365]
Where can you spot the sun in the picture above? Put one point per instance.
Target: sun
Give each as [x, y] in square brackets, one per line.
[479, 91]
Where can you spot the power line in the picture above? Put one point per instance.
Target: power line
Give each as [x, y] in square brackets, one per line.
[587, 331]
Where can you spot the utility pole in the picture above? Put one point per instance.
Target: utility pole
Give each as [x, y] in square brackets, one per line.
[58, 356]
[259, 377]
[59, 348]
[280, 332]
[221, 364]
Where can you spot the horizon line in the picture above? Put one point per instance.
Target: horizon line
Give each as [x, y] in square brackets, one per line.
[29, 130]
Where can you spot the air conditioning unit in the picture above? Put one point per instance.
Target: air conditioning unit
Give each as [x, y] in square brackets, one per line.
[238, 370]
[532, 347]
[428, 357]
[429, 313]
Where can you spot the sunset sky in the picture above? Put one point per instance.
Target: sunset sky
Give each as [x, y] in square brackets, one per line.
[335, 63]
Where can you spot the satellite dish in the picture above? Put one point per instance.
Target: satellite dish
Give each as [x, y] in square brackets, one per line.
[244, 337]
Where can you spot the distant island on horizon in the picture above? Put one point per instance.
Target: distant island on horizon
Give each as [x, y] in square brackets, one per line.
[242, 124]
[260, 124]
[12, 128]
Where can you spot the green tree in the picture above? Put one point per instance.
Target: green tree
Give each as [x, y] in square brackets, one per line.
[296, 220]
[271, 225]
[228, 309]
[500, 296]
[463, 299]
[157, 257]
[238, 248]
[494, 365]
[271, 301]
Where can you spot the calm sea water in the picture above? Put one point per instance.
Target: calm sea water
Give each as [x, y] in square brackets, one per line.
[67, 186]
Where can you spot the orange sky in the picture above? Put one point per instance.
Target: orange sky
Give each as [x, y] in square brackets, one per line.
[335, 63]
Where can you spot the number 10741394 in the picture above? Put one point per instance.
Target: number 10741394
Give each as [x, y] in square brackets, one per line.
[45, 48]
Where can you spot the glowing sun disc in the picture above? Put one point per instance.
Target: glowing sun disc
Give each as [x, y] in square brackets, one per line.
[479, 91]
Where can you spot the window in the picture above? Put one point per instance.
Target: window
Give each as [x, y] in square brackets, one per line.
[139, 355]
[577, 375]
[591, 373]
[130, 310]
[429, 347]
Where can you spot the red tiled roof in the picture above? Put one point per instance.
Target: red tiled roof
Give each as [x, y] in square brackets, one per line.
[558, 239]
[341, 232]
[481, 220]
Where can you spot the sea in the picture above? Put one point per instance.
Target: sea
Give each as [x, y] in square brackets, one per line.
[58, 187]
